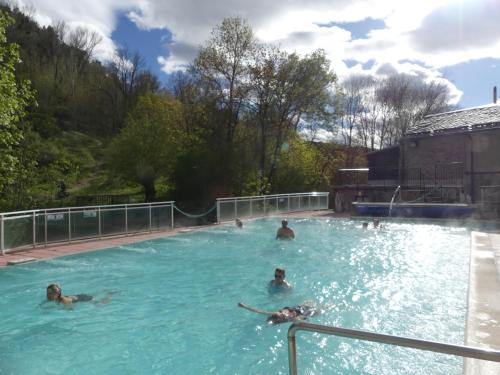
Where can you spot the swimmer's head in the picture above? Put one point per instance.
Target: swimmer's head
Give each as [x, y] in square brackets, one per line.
[238, 223]
[53, 292]
[365, 225]
[277, 318]
[279, 273]
[284, 223]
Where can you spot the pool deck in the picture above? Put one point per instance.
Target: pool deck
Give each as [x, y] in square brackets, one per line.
[483, 314]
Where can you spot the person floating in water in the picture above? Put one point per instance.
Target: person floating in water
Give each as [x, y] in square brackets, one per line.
[279, 280]
[238, 223]
[286, 314]
[285, 233]
[376, 223]
[54, 293]
[364, 225]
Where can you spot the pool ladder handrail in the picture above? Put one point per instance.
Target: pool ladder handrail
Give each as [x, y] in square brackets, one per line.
[438, 347]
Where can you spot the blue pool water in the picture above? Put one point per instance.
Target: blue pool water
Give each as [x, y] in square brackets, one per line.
[175, 307]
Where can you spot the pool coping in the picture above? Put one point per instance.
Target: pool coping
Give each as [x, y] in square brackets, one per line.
[483, 303]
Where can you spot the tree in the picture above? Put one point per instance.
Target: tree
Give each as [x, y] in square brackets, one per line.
[150, 143]
[14, 99]
[288, 92]
[222, 65]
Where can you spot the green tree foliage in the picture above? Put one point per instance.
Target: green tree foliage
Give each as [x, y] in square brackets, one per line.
[222, 65]
[289, 93]
[150, 143]
[14, 99]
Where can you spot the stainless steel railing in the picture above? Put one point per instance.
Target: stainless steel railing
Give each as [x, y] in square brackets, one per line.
[458, 350]
[40, 227]
[262, 205]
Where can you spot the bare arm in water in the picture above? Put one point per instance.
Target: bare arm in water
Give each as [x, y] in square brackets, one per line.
[268, 313]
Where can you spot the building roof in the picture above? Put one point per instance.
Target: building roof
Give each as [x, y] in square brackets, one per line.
[463, 119]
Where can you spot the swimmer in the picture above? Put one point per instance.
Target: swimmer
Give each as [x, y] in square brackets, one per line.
[364, 225]
[238, 223]
[285, 233]
[279, 279]
[54, 293]
[376, 223]
[286, 314]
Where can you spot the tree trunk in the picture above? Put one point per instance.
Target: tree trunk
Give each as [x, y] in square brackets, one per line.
[149, 191]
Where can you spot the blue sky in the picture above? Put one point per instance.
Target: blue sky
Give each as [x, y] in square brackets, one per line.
[453, 42]
[475, 78]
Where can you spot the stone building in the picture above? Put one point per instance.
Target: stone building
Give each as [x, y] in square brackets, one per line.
[451, 157]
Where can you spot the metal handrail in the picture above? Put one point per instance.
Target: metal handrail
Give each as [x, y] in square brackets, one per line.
[73, 209]
[438, 347]
[318, 194]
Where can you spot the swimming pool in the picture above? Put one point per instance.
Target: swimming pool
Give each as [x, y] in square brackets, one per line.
[175, 310]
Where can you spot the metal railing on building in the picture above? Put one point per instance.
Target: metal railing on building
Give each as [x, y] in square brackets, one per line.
[41, 227]
[262, 205]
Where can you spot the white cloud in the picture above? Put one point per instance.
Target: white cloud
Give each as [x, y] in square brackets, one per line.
[436, 33]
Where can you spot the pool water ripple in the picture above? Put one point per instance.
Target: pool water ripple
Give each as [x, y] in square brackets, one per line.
[174, 304]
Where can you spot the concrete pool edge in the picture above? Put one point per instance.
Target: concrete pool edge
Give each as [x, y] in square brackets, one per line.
[482, 327]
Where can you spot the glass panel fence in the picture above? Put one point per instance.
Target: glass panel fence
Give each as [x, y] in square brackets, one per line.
[294, 203]
[258, 207]
[18, 231]
[323, 202]
[304, 203]
[138, 219]
[161, 217]
[283, 204]
[113, 221]
[57, 226]
[84, 224]
[270, 204]
[38, 227]
[226, 212]
[243, 209]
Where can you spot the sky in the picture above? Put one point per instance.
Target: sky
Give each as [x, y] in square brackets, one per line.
[454, 42]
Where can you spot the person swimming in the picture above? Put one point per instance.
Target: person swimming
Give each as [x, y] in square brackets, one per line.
[54, 293]
[285, 233]
[238, 223]
[279, 281]
[286, 314]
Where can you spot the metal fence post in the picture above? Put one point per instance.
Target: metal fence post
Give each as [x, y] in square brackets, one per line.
[264, 204]
[45, 226]
[277, 205]
[251, 208]
[34, 229]
[288, 203]
[235, 209]
[218, 211]
[327, 203]
[126, 219]
[172, 214]
[2, 235]
[69, 224]
[150, 217]
[99, 225]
